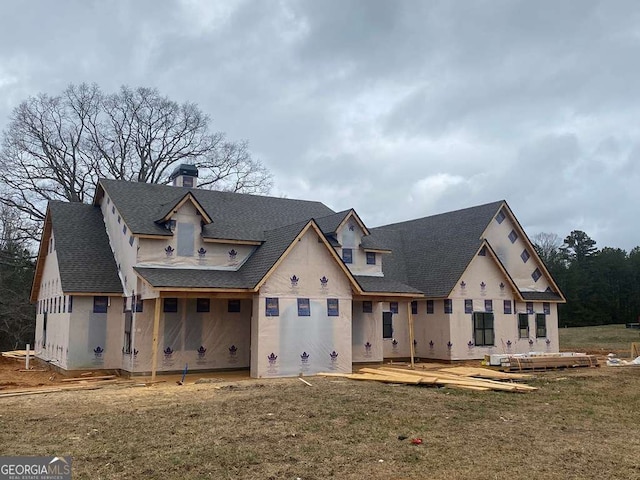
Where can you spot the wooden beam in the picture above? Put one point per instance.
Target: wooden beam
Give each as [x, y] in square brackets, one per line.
[154, 345]
[411, 335]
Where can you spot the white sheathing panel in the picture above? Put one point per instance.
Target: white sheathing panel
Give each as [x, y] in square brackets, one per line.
[95, 340]
[119, 237]
[51, 299]
[350, 235]
[510, 253]
[289, 344]
[210, 340]
[398, 346]
[549, 343]
[431, 331]
[366, 336]
[185, 248]
[483, 281]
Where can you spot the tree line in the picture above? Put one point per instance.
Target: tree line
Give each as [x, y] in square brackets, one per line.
[602, 286]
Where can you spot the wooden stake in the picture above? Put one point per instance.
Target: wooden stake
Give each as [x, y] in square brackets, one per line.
[26, 361]
[411, 345]
[154, 345]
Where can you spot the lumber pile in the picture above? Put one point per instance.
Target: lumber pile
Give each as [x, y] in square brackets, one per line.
[20, 354]
[545, 362]
[456, 377]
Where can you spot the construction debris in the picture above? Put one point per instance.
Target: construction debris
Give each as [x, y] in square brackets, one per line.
[540, 361]
[19, 354]
[457, 377]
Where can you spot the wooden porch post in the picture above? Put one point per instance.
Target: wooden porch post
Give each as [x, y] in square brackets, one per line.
[154, 345]
[411, 345]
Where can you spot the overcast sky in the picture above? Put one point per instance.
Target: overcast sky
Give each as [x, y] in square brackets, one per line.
[399, 109]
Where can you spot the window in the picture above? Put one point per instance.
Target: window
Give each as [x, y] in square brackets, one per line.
[127, 332]
[513, 236]
[304, 309]
[525, 255]
[272, 307]
[64, 304]
[170, 305]
[44, 330]
[367, 307]
[429, 306]
[523, 325]
[546, 308]
[448, 305]
[131, 240]
[100, 304]
[541, 325]
[371, 258]
[108, 200]
[500, 216]
[414, 307]
[393, 306]
[482, 252]
[507, 307]
[233, 306]
[387, 325]
[468, 306]
[187, 181]
[483, 329]
[124, 229]
[203, 305]
[113, 209]
[529, 308]
[347, 255]
[139, 303]
[70, 309]
[119, 218]
[488, 305]
[536, 275]
[333, 308]
[186, 232]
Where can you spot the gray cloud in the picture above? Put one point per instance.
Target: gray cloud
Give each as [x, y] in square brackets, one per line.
[398, 109]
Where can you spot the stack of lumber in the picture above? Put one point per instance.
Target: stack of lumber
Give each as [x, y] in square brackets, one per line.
[456, 377]
[543, 362]
[21, 354]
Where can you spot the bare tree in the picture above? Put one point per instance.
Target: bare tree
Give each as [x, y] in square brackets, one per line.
[549, 247]
[58, 147]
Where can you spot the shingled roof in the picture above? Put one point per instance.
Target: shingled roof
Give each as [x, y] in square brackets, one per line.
[85, 259]
[140, 204]
[431, 253]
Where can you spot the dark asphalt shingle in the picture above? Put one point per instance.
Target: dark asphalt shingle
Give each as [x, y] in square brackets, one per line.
[192, 278]
[431, 253]
[235, 216]
[384, 284]
[85, 259]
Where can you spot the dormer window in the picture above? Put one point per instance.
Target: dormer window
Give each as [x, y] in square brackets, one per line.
[371, 258]
[347, 255]
[170, 225]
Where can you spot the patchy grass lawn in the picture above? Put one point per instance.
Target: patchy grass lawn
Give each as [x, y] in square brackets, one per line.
[599, 340]
[580, 424]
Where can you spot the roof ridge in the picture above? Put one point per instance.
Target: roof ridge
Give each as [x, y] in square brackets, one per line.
[451, 212]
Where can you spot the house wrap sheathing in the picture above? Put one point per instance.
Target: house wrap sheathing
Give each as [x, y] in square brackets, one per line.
[150, 278]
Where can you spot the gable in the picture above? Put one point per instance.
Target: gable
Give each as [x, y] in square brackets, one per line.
[516, 253]
[484, 277]
[308, 270]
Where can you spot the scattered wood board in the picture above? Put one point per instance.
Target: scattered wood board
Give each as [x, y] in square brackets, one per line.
[450, 378]
[85, 379]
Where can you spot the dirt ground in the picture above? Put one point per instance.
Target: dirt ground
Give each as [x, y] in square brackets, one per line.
[580, 424]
